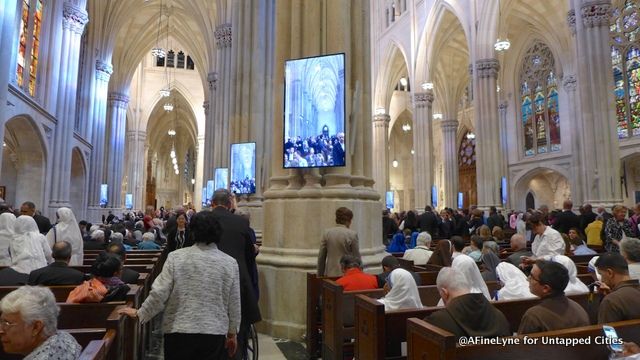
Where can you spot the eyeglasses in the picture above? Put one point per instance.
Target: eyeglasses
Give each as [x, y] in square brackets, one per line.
[4, 324]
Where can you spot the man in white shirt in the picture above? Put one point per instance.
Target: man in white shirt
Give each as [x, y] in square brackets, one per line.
[548, 242]
[421, 253]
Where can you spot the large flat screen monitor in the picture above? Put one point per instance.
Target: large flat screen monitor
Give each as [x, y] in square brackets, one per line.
[434, 196]
[243, 168]
[314, 112]
[210, 189]
[389, 199]
[128, 201]
[104, 199]
[222, 178]
[205, 202]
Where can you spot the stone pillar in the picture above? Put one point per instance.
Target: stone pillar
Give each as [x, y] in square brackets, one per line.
[117, 115]
[7, 37]
[569, 83]
[502, 113]
[209, 131]
[136, 141]
[598, 139]
[74, 20]
[222, 101]
[96, 132]
[450, 153]
[380, 168]
[422, 143]
[489, 164]
[197, 193]
[306, 28]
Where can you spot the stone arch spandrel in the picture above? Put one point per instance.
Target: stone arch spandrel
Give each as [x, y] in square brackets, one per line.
[550, 184]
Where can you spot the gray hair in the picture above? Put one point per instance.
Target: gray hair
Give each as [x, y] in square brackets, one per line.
[490, 246]
[116, 237]
[424, 239]
[148, 236]
[519, 240]
[630, 249]
[33, 303]
[94, 228]
[97, 235]
[452, 279]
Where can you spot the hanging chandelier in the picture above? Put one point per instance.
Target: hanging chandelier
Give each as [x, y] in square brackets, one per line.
[157, 51]
[165, 92]
[502, 45]
[168, 107]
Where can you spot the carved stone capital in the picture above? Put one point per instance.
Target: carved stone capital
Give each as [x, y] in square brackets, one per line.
[487, 68]
[381, 121]
[423, 99]
[118, 100]
[205, 105]
[223, 35]
[596, 14]
[103, 70]
[503, 106]
[212, 78]
[569, 82]
[74, 18]
[571, 21]
[450, 125]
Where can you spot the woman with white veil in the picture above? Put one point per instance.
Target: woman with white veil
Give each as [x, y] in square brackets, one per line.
[403, 293]
[6, 237]
[67, 229]
[575, 285]
[27, 251]
[515, 285]
[469, 269]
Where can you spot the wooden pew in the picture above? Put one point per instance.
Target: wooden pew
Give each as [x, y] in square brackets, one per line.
[380, 334]
[425, 341]
[98, 349]
[338, 308]
[314, 310]
[62, 292]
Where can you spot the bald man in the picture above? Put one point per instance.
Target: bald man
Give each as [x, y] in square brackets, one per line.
[58, 272]
[519, 248]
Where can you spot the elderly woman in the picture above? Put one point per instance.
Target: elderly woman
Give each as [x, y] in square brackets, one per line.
[630, 250]
[201, 318]
[67, 229]
[616, 228]
[28, 326]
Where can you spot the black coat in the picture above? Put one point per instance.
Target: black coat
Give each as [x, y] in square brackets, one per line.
[565, 221]
[236, 242]
[129, 275]
[56, 273]
[10, 277]
[428, 221]
[172, 242]
[43, 222]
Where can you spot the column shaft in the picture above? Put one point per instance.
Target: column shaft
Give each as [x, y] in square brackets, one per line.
[380, 168]
[117, 115]
[422, 143]
[450, 152]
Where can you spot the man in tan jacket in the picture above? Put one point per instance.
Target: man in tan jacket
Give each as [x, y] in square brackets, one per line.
[336, 242]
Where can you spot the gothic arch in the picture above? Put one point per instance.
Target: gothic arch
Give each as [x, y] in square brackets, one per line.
[24, 161]
[550, 185]
[391, 70]
[78, 183]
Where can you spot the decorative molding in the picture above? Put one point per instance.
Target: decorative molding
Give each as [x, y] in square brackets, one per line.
[596, 15]
[423, 99]
[48, 133]
[487, 68]
[205, 105]
[223, 35]
[569, 82]
[571, 21]
[503, 106]
[381, 121]
[103, 70]
[450, 125]
[212, 78]
[74, 18]
[470, 69]
[118, 100]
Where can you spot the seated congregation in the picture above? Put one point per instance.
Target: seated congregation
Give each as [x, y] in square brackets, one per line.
[434, 291]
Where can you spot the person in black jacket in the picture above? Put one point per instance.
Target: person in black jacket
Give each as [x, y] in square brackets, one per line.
[428, 221]
[58, 272]
[389, 227]
[178, 237]
[236, 242]
[127, 275]
[29, 208]
[566, 219]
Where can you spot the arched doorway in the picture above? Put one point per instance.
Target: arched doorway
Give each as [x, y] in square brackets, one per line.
[467, 184]
[77, 189]
[401, 161]
[550, 186]
[23, 162]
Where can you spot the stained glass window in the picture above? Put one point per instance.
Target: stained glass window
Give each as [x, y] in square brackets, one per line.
[539, 101]
[180, 60]
[29, 44]
[625, 62]
[171, 58]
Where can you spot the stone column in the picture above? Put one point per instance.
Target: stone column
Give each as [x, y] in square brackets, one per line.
[117, 115]
[450, 153]
[97, 134]
[222, 101]
[197, 193]
[380, 168]
[489, 164]
[569, 83]
[422, 143]
[209, 130]
[598, 139]
[502, 113]
[300, 29]
[74, 20]
[136, 140]
[7, 34]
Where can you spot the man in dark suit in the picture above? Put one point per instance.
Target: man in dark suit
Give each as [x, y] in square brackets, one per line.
[58, 272]
[338, 150]
[389, 227]
[428, 221]
[495, 219]
[566, 219]
[236, 242]
[127, 275]
[29, 208]
[586, 217]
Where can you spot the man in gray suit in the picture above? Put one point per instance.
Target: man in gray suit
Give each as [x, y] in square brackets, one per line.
[336, 242]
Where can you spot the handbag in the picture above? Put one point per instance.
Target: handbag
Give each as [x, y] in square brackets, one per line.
[90, 291]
